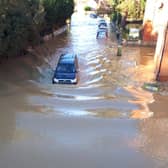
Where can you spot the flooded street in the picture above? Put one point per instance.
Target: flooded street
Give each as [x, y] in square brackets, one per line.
[106, 120]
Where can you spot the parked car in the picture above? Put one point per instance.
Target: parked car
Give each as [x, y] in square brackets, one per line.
[102, 33]
[134, 34]
[102, 25]
[93, 15]
[66, 71]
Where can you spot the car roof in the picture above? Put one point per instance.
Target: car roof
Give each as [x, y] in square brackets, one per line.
[66, 61]
[102, 23]
[67, 58]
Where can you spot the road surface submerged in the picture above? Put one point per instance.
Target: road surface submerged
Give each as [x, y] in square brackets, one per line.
[106, 120]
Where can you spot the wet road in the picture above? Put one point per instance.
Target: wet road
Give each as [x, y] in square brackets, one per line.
[106, 120]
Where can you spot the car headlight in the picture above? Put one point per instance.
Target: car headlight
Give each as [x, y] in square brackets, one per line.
[74, 80]
[55, 80]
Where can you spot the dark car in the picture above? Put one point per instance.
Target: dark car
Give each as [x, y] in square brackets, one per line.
[93, 15]
[102, 25]
[66, 71]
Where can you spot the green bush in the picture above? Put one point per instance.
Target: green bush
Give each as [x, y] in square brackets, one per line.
[57, 11]
[17, 27]
[22, 21]
[134, 8]
[87, 8]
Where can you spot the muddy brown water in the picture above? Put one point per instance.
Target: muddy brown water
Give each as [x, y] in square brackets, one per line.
[106, 120]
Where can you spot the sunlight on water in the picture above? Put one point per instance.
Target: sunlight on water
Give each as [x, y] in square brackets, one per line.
[75, 112]
[143, 99]
[95, 80]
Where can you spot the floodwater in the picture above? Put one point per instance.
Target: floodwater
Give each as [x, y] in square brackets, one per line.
[106, 120]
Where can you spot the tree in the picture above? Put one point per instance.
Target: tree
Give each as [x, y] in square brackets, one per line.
[57, 11]
[23, 21]
[135, 8]
[18, 28]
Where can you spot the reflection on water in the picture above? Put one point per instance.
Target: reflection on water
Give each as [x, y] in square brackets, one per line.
[143, 99]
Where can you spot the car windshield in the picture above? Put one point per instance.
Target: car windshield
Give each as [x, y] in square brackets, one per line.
[103, 24]
[66, 68]
[102, 34]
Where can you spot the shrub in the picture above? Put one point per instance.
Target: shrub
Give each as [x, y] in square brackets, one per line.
[57, 11]
[22, 22]
[87, 8]
[17, 27]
